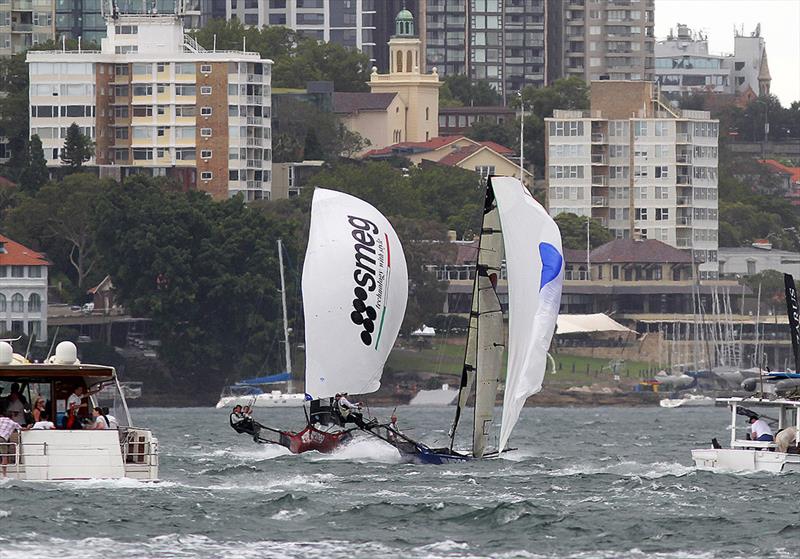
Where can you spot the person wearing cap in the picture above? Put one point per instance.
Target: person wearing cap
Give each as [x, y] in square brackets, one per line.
[760, 430]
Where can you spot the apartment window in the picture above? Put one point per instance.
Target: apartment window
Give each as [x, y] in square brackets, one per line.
[17, 271]
[617, 150]
[121, 154]
[662, 172]
[121, 90]
[121, 133]
[161, 131]
[662, 192]
[34, 271]
[185, 154]
[640, 128]
[205, 111]
[640, 192]
[185, 90]
[140, 154]
[205, 154]
[142, 133]
[206, 175]
[485, 171]
[142, 89]
[661, 128]
[161, 67]
[205, 132]
[233, 110]
[162, 88]
[126, 29]
[640, 171]
[161, 109]
[185, 110]
[205, 90]
[185, 68]
[142, 110]
[184, 132]
[17, 303]
[618, 128]
[618, 172]
[126, 49]
[142, 69]
[662, 214]
[121, 69]
[566, 128]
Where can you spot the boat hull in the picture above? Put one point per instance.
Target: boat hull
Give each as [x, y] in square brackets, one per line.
[49, 455]
[313, 439]
[745, 460]
[271, 400]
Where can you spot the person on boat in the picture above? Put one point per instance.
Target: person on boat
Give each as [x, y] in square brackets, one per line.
[786, 438]
[15, 409]
[393, 429]
[9, 433]
[71, 420]
[760, 430]
[43, 422]
[112, 421]
[38, 409]
[76, 399]
[100, 419]
[348, 411]
[236, 416]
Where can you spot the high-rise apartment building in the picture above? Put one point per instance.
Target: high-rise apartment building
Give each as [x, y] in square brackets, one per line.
[24, 23]
[643, 169]
[592, 39]
[347, 22]
[157, 103]
[684, 65]
[500, 41]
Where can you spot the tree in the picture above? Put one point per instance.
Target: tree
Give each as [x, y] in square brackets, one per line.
[466, 92]
[573, 232]
[312, 148]
[506, 133]
[78, 149]
[205, 272]
[59, 220]
[35, 174]
[14, 110]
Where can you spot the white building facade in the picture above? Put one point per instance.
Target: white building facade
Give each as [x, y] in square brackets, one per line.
[652, 175]
[154, 102]
[23, 290]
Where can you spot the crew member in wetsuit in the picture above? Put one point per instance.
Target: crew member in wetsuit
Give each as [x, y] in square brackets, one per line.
[348, 411]
[236, 419]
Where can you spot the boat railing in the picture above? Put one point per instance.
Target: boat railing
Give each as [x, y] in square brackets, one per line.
[760, 445]
[138, 446]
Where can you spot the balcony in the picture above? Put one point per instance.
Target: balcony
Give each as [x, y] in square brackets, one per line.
[682, 138]
[576, 275]
[599, 201]
[255, 120]
[683, 180]
[598, 137]
[683, 158]
[683, 220]
[599, 180]
[684, 201]
[22, 6]
[21, 27]
[599, 159]
[683, 243]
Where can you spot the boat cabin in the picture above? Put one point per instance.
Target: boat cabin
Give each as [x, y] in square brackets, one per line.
[71, 450]
[785, 412]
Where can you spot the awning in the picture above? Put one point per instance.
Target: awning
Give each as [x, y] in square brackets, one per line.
[585, 323]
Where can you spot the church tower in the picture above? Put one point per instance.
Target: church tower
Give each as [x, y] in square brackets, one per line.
[418, 91]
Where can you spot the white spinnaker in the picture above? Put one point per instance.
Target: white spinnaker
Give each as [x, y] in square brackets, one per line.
[355, 289]
[535, 272]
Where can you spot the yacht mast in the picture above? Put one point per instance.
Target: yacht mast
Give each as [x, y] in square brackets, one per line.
[286, 345]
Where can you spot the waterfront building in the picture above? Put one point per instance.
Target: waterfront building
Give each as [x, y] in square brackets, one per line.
[25, 23]
[502, 42]
[403, 104]
[736, 262]
[484, 158]
[641, 168]
[156, 103]
[350, 23]
[455, 121]
[684, 65]
[611, 39]
[23, 290]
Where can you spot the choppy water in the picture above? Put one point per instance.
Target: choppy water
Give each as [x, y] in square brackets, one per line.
[598, 482]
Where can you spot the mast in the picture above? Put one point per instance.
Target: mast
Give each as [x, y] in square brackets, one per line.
[286, 345]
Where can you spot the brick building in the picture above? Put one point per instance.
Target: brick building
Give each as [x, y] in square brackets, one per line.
[157, 103]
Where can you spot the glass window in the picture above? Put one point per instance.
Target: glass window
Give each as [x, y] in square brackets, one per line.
[34, 303]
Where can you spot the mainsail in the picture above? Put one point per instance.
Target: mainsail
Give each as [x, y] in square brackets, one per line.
[355, 289]
[515, 228]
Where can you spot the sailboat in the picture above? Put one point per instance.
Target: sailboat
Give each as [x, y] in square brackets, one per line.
[249, 392]
[355, 290]
[518, 231]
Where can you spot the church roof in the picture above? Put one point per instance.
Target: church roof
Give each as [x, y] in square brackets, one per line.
[404, 15]
[351, 102]
[763, 70]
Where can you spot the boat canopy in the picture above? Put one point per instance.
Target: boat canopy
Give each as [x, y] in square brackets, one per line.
[586, 323]
[355, 289]
[34, 372]
[281, 377]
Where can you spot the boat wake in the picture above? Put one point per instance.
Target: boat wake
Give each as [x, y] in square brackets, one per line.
[361, 450]
[627, 469]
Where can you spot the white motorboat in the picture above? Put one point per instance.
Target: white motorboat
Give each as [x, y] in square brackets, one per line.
[745, 455]
[445, 396]
[688, 401]
[72, 454]
[271, 399]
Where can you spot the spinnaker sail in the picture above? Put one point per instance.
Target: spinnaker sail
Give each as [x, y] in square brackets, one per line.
[355, 289]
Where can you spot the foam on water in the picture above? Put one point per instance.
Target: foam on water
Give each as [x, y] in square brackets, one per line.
[627, 469]
[360, 450]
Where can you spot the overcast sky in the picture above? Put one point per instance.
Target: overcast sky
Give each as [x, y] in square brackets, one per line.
[780, 27]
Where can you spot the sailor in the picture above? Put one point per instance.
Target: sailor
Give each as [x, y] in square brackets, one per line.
[236, 418]
[759, 430]
[393, 429]
[349, 411]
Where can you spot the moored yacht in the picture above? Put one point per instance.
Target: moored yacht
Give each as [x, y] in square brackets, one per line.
[76, 453]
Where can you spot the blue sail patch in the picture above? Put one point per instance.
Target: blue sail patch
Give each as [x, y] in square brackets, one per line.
[551, 263]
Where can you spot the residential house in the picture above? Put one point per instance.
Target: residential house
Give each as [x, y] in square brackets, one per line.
[23, 290]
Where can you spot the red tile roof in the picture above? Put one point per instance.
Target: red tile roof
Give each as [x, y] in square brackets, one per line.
[14, 254]
[350, 102]
[430, 145]
[502, 150]
[457, 156]
[623, 251]
[793, 172]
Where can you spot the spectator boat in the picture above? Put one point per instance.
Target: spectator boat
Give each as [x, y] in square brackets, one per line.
[744, 455]
[72, 454]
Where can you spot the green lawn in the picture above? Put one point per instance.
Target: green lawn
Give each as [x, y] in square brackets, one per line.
[447, 359]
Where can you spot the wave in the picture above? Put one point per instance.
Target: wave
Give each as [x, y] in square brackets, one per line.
[361, 450]
[627, 469]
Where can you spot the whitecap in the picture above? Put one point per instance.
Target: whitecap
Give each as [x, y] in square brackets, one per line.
[362, 450]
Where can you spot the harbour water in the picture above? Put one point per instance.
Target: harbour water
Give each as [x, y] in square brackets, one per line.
[596, 482]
